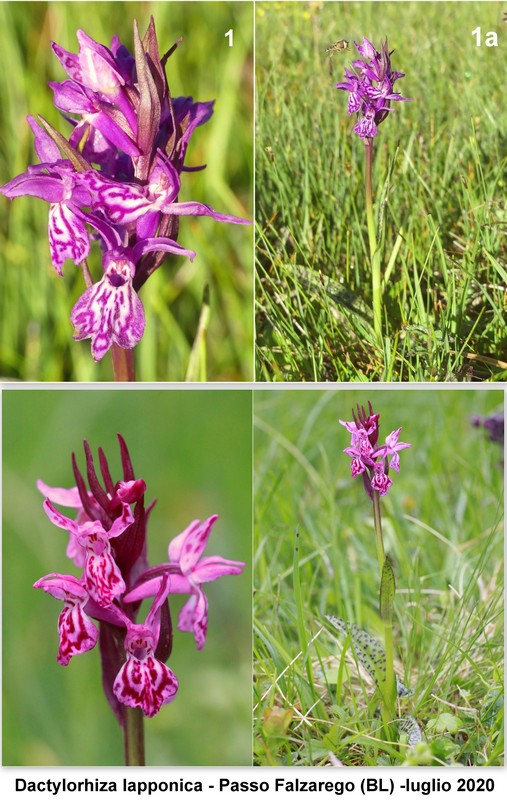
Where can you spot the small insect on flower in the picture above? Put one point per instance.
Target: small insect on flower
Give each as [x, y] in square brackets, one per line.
[337, 47]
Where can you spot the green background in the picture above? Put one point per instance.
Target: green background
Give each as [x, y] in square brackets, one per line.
[35, 331]
[193, 449]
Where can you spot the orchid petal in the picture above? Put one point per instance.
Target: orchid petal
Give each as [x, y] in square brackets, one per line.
[146, 684]
[201, 210]
[102, 576]
[45, 147]
[194, 617]
[59, 519]
[212, 567]
[110, 311]
[188, 546]
[64, 497]
[68, 237]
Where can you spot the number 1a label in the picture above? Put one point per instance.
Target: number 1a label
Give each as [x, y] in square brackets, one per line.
[230, 34]
[491, 38]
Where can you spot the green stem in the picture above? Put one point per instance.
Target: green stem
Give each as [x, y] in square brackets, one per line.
[123, 363]
[377, 522]
[376, 288]
[133, 737]
[387, 591]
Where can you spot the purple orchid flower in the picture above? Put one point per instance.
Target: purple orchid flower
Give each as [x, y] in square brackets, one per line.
[188, 571]
[370, 86]
[72, 98]
[143, 681]
[125, 203]
[77, 632]
[55, 183]
[111, 310]
[109, 545]
[124, 120]
[102, 578]
[369, 459]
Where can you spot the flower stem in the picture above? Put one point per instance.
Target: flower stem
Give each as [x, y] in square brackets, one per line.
[387, 590]
[123, 363]
[376, 291]
[133, 736]
[377, 522]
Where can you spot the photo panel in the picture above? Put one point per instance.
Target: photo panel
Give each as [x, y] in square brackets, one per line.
[380, 191]
[93, 648]
[127, 193]
[378, 577]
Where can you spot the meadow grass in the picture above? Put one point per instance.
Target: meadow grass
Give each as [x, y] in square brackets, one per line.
[314, 554]
[439, 188]
[35, 330]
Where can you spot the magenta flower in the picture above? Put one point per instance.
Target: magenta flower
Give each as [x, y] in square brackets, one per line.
[370, 459]
[102, 578]
[126, 122]
[111, 310]
[144, 681]
[370, 86]
[107, 542]
[188, 571]
[55, 183]
[77, 632]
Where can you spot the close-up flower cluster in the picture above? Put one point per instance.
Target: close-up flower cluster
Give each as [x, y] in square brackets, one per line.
[370, 84]
[117, 178]
[107, 543]
[370, 459]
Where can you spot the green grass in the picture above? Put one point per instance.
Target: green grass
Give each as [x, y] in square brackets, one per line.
[193, 449]
[35, 331]
[314, 554]
[439, 188]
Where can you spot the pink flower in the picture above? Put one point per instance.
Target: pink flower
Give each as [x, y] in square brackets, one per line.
[369, 459]
[77, 632]
[143, 681]
[101, 576]
[188, 571]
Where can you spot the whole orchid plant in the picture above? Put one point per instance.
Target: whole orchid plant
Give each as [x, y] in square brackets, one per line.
[374, 461]
[116, 179]
[108, 546]
[370, 84]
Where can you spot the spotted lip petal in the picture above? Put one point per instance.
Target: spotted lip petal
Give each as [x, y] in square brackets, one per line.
[110, 311]
[143, 681]
[147, 684]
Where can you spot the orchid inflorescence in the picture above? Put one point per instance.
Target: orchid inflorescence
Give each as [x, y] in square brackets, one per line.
[107, 542]
[118, 174]
[370, 85]
[370, 459]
